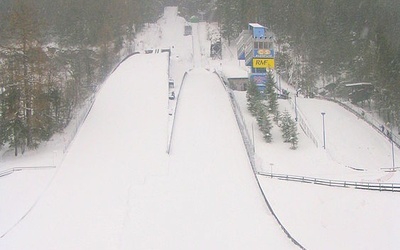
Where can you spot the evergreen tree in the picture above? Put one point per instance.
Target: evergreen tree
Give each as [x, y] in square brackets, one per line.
[286, 126]
[260, 112]
[13, 127]
[294, 140]
[336, 41]
[253, 96]
[40, 86]
[289, 130]
[228, 12]
[271, 94]
[263, 121]
[2, 118]
[25, 68]
[266, 127]
[277, 116]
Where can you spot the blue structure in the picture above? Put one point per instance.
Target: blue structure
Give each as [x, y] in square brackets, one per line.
[257, 30]
[255, 46]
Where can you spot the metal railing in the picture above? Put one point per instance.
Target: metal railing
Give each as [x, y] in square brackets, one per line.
[303, 123]
[241, 123]
[373, 186]
[249, 144]
[16, 169]
[250, 152]
[171, 133]
[368, 118]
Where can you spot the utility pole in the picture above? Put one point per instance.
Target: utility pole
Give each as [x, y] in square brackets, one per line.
[323, 128]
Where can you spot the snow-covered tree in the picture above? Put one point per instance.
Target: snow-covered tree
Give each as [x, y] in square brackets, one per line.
[227, 13]
[271, 94]
[289, 130]
[266, 127]
[264, 121]
[294, 140]
[277, 116]
[253, 96]
[285, 126]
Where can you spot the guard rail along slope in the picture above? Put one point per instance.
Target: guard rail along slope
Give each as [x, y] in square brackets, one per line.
[372, 186]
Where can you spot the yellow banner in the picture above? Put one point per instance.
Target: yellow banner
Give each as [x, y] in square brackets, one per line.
[259, 63]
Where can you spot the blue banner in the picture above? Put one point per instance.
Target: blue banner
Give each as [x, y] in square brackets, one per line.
[241, 56]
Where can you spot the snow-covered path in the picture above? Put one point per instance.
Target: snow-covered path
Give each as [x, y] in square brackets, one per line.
[197, 58]
[370, 153]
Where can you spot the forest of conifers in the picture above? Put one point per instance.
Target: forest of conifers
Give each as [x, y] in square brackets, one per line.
[54, 53]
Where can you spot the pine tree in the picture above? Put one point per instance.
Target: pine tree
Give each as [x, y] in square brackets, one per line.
[27, 53]
[41, 86]
[271, 94]
[289, 130]
[253, 96]
[294, 140]
[266, 127]
[260, 112]
[264, 121]
[2, 119]
[286, 126]
[277, 116]
[13, 127]
[228, 12]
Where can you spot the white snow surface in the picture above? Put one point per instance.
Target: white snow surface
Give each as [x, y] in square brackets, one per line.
[207, 198]
[117, 188]
[122, 141]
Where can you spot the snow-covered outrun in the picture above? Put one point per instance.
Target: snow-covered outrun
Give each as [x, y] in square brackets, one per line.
[116, 187]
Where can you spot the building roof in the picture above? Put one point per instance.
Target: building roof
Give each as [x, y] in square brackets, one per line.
[256, 25]
[232, 71]
[358, 84]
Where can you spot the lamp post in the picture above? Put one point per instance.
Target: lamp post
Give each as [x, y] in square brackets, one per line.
[202, 15]
[391, 140]
[254, 143]
[295, 103]
[295, 107]
[279, 83]
[323, 128]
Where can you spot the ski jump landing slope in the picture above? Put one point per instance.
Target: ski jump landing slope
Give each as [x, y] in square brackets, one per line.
[209, 198]
[122, 141]
[118, 189]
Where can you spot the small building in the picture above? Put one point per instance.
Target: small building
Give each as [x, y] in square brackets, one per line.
[360, 92]
[236, 77]
[187, 30]
[256, 47]
[238, 83]
[216, 49]
[255, 43]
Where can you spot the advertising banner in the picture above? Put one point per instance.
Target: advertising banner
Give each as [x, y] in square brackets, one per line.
[258, 78]
[264, 53]
[267, 63]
